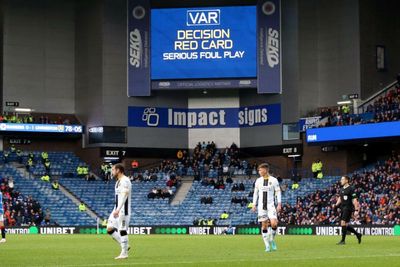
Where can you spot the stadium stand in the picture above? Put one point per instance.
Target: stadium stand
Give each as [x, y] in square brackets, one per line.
[37, 118]
[96, 194]
[378, 192]
[63, 210]
[208, 161]
[384, 108]
[62, 163]
[159, 211]
[310, 204]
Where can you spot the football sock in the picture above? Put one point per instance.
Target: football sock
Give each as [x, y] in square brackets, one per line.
[124, 241]
[270, 235]
[265, 237]
[115, 235]
[274, 232]
[352, 230]
[344, 233]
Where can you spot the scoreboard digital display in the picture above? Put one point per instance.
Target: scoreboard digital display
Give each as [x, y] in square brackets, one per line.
[197, 47]
[203, 43]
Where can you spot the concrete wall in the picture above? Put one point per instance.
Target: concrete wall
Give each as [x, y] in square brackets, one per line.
[39, 49]
[379, 25]
[114, 97]
[223, 136]
[73, 54]
[328, 52]
[88, 63]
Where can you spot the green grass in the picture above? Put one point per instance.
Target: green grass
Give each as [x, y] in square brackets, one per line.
[169, 250]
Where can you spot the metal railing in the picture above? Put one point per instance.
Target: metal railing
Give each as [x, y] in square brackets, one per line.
[362, 107]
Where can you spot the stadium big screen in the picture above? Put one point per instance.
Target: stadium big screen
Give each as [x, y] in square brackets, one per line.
[189, 41]
[203, 47]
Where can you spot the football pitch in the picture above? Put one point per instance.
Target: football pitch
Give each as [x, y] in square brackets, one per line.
[178, 250]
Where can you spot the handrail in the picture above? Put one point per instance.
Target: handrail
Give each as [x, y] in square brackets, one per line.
[380, 92]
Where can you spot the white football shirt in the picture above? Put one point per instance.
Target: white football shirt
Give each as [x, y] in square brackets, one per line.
[271, 188]
[123, 186]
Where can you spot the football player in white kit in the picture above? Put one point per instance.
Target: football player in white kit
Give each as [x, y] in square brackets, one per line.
[266, 188]
[118, 222]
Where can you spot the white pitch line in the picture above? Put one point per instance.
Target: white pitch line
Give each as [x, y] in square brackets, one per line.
[124, 263]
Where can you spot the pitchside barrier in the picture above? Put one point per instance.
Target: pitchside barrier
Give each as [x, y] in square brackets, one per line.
[386, 230]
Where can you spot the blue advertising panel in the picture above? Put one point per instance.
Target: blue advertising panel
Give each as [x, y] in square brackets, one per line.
[269, 73]
[203, 43]
[138, 20]
[353, 132]
[40, 128]
[163, 117]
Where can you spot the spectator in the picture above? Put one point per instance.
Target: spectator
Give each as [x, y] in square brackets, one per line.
[47, 165]
[179, 155]
[55, 185]
[152, 194]
[10, 184]
[90, 177]
[319, 169]
[235, 187]
[29, 164]
[45, 178]
[241, 187]
[45, 156]
[244, 201]
[165, 193]
[206, 200]
[6, 155]
[284, 188]
[224, 216]
[314, 169]
[220, 184]
[135, 166]
[82, 207]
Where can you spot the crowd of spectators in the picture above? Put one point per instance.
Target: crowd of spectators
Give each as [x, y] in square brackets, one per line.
[238, 187]
[386, 108]
[206, 200]
[216, 183]
[172, 182]
[211, 166]
[20, 210]
[204, 222]
[378, 193]
[208, 161]
[145, 176]
[157, 193]
[243, 201]
[43, 119]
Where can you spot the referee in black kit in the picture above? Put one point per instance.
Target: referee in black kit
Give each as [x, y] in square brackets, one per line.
[347, 201]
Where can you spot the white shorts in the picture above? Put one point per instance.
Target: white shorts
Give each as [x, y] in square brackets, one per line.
[1, 218]
[264, 215]
[120, 223]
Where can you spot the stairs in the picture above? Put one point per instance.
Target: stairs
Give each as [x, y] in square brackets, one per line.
[183, 190]
[46, 196]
